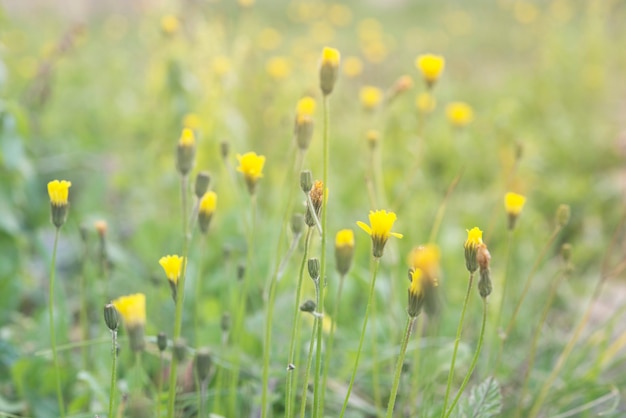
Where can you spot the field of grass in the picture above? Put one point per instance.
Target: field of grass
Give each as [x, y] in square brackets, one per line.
[116, 98]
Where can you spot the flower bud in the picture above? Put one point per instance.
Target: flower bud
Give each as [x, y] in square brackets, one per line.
[484, 283]
[314, 268]
[474, 239]
[111, 317]
[308, 306]
[58, 191]
[203, 363]
[344, 250]
[180, 349]
[566, 252]
[306, 181]
[416, 292]
[203, 180]
[185, 151]
[329, 69]
[225, 322]
[241, 271]
[317, 198]
[162, 341]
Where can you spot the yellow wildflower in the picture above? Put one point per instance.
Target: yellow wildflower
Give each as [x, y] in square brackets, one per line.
[186, 151]
[427, 259]
[329, 68]
[251, 165]
[513, 204]
[173, 265]
[381, 223]
[371, 97]
[459, 114]
[221, 65]
[269, 39]
[431, 67]
[170, 24]
[344, 250]
[474, 240]
[305, 107]
[58, 191]
[416, 292]
[191, 121]
[206, 208]
[132, 309]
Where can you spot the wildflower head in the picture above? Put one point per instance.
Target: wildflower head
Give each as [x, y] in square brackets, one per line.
[111, 317]
[58, 191]
[170, 24]
[416, 292]
[459, 114]
[251, 166]
[304, 122]
[161, 341]
[402, 84]
[379, 229]
[206, 208]
[425, 103]
[101, 228]
[173, 267]
[329, 69]
[317, 200]
[185, 151]
[484, 283]
[313, 265]
[474, 240]
[203, 363]
[344, 250]
[426, 258]
[431, 66]
[513, 204]
[132, 309]
[371, 97]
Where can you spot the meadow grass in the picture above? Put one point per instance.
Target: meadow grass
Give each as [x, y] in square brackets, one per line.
[432, 112]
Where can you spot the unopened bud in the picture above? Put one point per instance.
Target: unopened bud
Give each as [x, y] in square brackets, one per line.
[306, 181]
[484, 283]
[203, 363]
[162, 341]
[241, 271]
[308, 306]
[314, 268]
[483, 257]
[203, 180]
[180, 349]
[562, 215]
[111, 317]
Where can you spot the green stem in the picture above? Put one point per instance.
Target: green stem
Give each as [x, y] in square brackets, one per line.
[316, 325]
[375, 362]
[53, 343]
[442, 207]
[456, 343]
[416, 367]
[331, 337]
[318, 390]
[535, 340]
[198, 292]
[376, 263]
[474, 360]
[178, 319]
[241, 309]
[159, 387]
[138, 372]
[398, 374]
[507, 260]
[84, 325]
[113, 373]
[294, 327]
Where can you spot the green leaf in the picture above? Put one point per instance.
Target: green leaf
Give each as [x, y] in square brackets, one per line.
[484, 401]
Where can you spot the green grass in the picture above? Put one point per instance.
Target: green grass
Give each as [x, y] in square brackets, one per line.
[105, 111]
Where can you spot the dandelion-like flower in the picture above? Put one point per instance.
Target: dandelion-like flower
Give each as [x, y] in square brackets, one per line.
[132, 309]
[173, 265]
[170, 24]
[431, 67]
[58, 191]
[459, 114]
[379, 229]
[303, 128]
[329, 69]
[317, 200]
[513, 204]
[251, 165]
[206, 208]
[344, 250]
[371, 97]
[185, 151]
[427, 259]
[416, 292]
[474, 240]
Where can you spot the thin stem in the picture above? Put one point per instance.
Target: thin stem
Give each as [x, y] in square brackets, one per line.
[159, 387]
[442, 207]
[138, 372]
[535, 339]
[180, 296]
[474, 360]
[241, 308]
[309, 361]
[113, 372]
[416, 366]
[456, 343]
[84, 325]
[396, 380]
[294, 327]
[198, 291]
[331, 337]
[318, 390]
[507, 260]
[53, 343]
[376, 263]
[375, 362]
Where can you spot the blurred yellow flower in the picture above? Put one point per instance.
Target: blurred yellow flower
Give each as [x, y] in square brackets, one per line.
[305, 106]
[474, 237]
[246, 3]
[187, 138]
[352, 66]
[221, 65]
[251, 165]
[170, 24]
[173, 266]
[322, 32]
[339, 14]
[208, 203]
[59, 192]
[431, 67]
[344, 238]
[459, 114]
[132, 309]
[329, 69]
[427, 259]
[191, 121]
[381, 223]
[330, 57]
[370, 29]
[473, 242]
[344, 250]
[370, 97]
[278, 68]
[525, 12]
[416, 292]
[514, 203]
[425, 102]
[375, 51]
[269, 39]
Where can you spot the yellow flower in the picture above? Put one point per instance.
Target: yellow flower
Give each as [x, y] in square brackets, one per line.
[329, 68]
[459, 114]
[59, 192]
[251, 165]
[474, 240]
[132, 308]
[305, 107]
[371, 97]
[246, 3]
[278, 68]
[170, 24]
[208, 203]
[431, 67]
[173, 265]
[187, 138]
[416, 292]
[352, 66]
[381, 223]
[514, 203]
[425, 102]
[344, 250]
[344, 238]
[426, 258]
[191, 121]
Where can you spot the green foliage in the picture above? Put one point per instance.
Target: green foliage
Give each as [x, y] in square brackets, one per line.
[484, 401]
